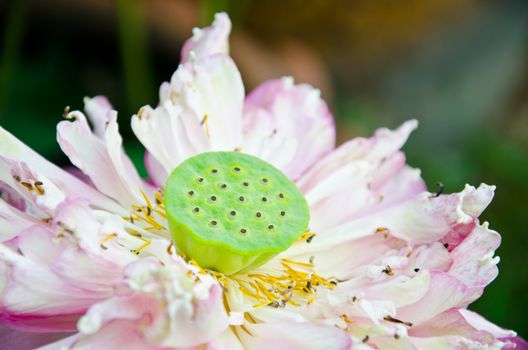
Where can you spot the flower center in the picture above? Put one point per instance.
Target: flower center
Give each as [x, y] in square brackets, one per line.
[232, 212]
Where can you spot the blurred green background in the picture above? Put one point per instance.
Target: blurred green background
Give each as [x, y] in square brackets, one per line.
[459, 66]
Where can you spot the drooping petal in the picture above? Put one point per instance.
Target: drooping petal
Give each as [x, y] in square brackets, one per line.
[288, 125]
[208, 41]
[103, 160]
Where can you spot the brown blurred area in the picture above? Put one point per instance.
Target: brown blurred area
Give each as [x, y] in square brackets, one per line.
[459, 67]
[364, 48]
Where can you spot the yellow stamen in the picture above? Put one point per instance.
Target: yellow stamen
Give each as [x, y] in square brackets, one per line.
[143, 246]
[295, 286]
[148, 216]
[106, 239]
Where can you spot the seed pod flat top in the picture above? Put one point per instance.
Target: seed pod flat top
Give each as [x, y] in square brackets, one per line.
[227, 203]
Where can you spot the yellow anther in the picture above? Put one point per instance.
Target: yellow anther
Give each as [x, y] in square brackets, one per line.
[346, 319]
[39, 187]
[204, 121]
[306, 237]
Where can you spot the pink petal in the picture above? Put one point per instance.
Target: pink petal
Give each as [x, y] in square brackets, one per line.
[13, 221]
[516, 343]
[451, 323]
[208, 41]
[288, 125]
[165, 305]
[133, 308]
[115, 335]
[295, 336]
[481, 324]
[384, 143]
[445, 292]
[156, 172]
[49, 281]
[473, 260]
[99, 110]
[15, 339]
[12, 148]
[359, 178]
[36, 299]
[12, 197]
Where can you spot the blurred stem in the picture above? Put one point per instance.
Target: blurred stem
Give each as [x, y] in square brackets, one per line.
[14, 30]
[134, 54]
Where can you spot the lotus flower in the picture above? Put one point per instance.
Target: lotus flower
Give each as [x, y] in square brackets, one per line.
[94, 261]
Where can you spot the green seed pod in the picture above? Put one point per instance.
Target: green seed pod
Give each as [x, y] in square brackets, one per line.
[231, 212]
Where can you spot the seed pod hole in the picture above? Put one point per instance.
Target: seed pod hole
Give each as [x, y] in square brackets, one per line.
[200, 180]
[243, 231]
[213, 198]
[190, 193]
[237, 169]
[196, 210]
[245, 184]
[282, 213]
[214, 171]
[241, 199]
[264, 199]
[270, 227]
[265, 180]
[222, 186]
[258, 214]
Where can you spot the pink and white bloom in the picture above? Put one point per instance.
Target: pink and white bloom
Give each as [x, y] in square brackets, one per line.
[91, 265]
